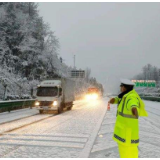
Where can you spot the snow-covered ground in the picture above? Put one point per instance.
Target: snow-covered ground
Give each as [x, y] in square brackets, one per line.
[148, 91]
[70, 134]
[85, 131]
[6, 127]
[17, 114]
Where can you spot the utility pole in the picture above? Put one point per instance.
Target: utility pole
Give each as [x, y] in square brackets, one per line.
[74, 57]
[148, 76]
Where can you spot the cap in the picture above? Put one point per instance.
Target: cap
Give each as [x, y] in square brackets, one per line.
[127, 82]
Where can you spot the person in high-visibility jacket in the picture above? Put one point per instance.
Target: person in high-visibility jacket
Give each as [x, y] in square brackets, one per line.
[126, 131]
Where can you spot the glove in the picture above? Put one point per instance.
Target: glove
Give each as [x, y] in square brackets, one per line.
[111, 100]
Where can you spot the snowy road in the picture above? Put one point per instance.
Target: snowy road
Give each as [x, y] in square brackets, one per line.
[85, 131]
[70, 134]
[17, 114]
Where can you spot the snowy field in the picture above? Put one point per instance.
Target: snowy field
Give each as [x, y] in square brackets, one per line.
[85, 131]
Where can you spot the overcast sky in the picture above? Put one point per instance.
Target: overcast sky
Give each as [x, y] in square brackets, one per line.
[115, 40]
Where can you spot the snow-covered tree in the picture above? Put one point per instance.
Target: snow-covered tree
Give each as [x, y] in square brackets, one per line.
[149, 72]
[29, 50]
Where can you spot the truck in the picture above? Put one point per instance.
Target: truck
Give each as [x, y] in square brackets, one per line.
[55, 95]
[93, 93]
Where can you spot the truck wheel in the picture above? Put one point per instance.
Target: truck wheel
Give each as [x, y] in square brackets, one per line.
[70, 107]
[60, 109]
[40, 111]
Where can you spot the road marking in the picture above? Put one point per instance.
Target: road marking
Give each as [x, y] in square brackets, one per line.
[44, 144]
[19, 126]
[88, 147]
[51, 135]
[32, 138]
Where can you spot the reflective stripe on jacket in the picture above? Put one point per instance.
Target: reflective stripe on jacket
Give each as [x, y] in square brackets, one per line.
[126, 129]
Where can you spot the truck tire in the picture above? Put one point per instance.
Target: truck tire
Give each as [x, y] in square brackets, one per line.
[40, 111]
[60, 108]
[70, 107]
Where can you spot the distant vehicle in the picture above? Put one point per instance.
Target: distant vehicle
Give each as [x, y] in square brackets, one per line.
[25, 96]
[93, 93]
[55, 94]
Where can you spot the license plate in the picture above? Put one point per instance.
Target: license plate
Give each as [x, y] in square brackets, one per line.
[45, 108]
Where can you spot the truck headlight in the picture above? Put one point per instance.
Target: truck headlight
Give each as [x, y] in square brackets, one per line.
[55, 103]
[37, 103]
[88, 97]
[94, 96]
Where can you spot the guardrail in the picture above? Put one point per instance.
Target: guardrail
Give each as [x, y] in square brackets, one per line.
[14, 104]
[151, 98]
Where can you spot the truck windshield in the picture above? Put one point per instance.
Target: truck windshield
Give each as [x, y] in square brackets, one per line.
[47, 91]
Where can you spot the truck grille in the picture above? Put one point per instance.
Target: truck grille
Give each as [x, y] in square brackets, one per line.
[45, 103]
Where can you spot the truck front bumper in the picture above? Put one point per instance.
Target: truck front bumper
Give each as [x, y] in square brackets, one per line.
[46, 108]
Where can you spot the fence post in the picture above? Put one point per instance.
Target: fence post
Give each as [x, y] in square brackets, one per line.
[31, 105]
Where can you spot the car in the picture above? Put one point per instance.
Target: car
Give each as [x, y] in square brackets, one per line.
[26, 96]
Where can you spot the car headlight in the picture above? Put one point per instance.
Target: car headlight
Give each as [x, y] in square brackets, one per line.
[55, 103]
[88, 97]
[94, 96]
[37, 103]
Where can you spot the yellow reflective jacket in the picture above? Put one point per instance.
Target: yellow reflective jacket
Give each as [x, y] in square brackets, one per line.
[126, 129]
